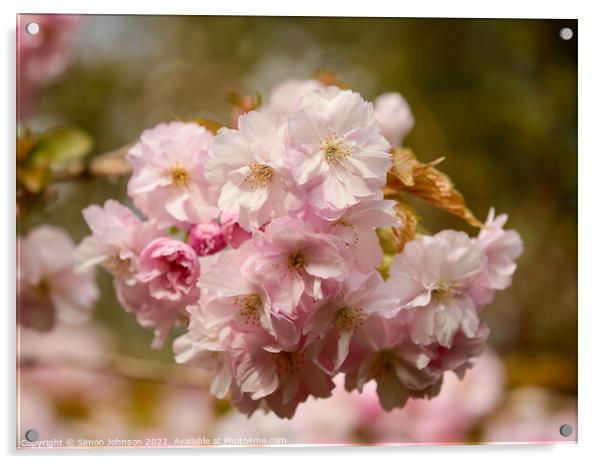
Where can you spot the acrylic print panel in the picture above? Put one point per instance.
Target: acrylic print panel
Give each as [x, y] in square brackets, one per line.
[281, 231]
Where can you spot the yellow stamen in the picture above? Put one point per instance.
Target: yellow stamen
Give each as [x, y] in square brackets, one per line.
[179, 176]
[260, 176]
[119, 267]
[444, 291]
[250, 308]
[348, 319]
[333, 149]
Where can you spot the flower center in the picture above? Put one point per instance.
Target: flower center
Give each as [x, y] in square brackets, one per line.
[348, 319]
[250, 307]
[333, 149]
[296, 260]
[443, 291]
[119, 267]
[179, 176]
[384, 366]
[260, 175]
[288, 362]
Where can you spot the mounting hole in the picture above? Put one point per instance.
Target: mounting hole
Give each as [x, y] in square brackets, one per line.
[566, 33]
[32, 28]
[32, 435]
[566, 430]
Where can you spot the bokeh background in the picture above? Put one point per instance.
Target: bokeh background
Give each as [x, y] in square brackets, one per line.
[497, 98]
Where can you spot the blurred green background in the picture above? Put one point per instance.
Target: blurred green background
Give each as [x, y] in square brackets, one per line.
[498, 98]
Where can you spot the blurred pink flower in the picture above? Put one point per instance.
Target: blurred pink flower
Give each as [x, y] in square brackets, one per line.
[394, 117]
[171, 268]
[333, 420]
[286, 97]
[431, 277]
[65, 389]
[179, 413]
[532, 415]
[41, 57]
[49, 289]
[337, 154]
[168, 181]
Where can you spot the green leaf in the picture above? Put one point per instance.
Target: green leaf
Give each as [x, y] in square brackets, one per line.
[61, 146]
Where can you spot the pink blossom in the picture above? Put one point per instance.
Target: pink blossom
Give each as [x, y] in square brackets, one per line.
[117, 241]
[394, 117]
[231, 297]
[337, 153]
[463, 352]
[118, 237]
[48, 287]
[247, 166]
[432, 277]
[171, 269]
[399, 367]
[355, 227]
[68, 366]
[286, 97]
[212, 237]
[233, 233]
[150, 313]
[207, 238]
[281, 216]
[502, 248]
[168, 181]
[281, 376]
[294, 260]
[342, 316]
[41, 57]
[207, 350]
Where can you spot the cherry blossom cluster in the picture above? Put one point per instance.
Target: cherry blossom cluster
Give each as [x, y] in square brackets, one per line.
[261, 240]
